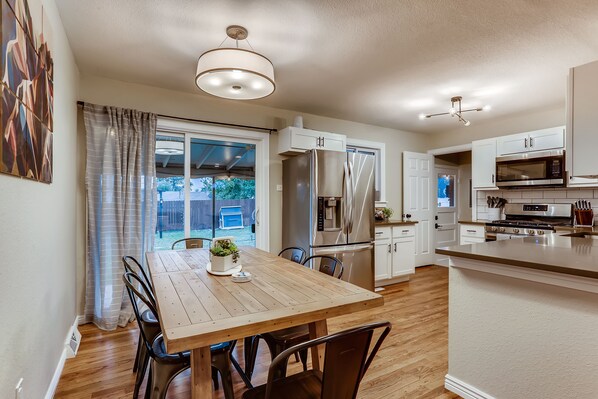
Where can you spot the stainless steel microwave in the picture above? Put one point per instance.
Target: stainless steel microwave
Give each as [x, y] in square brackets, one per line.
[534, 168]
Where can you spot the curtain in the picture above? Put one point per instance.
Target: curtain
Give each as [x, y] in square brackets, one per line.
[121, 206]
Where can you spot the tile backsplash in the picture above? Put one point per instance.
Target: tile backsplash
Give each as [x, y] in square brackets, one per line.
[545, 196]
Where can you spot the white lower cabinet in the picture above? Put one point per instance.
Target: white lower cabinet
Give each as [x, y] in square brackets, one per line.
[471, 233]
[394, 254]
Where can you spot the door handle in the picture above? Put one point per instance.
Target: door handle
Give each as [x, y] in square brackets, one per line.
[436, 225]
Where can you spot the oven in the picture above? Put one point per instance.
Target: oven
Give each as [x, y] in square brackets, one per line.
[536, 168]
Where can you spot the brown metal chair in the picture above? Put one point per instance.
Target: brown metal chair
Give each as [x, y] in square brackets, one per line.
[191, 243]
[164, 366]
[281, 340]
[294, 254]
[347, 358]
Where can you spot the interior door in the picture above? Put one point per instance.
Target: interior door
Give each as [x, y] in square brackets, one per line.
[418, 201]
[446, 225]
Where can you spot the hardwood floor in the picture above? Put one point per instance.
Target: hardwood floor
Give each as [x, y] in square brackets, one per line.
[411, 364]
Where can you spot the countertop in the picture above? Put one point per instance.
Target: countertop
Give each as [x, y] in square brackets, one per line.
[554, 253]
[391, 222]
[469, 221]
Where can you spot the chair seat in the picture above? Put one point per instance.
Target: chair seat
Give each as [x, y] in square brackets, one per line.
[290, 334]
[305, 385]
[160, 350]
[149, 317]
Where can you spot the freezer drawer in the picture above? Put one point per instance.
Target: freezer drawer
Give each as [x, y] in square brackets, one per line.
[358, 262]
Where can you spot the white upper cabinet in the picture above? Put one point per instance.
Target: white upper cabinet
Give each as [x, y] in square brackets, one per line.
[538, 140]
[483, 164]
[582, 121]
[294, 140]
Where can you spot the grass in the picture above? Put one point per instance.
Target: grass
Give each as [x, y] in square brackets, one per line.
[242, 236]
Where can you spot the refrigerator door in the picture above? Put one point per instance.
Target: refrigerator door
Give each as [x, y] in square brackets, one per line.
[358, 262]
[361, 198]
[328, 223]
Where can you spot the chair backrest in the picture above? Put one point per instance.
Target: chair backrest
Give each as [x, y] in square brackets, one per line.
[328, 264]
[294, 254]
[346, 359]
[138, 290]
[191, 243]
[132, 265]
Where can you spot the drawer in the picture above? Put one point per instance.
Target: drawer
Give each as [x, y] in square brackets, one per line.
[472, 230]
[403, 231]
[382, 232]
[471, 240]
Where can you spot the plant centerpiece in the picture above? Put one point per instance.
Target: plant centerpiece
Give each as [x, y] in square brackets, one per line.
[387, 212]
[224, 254]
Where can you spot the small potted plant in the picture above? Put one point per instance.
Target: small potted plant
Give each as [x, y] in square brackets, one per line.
[387, 212]
[224, 254]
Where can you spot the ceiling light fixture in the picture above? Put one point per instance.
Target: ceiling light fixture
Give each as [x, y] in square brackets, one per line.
[456, 110]
[235, 73]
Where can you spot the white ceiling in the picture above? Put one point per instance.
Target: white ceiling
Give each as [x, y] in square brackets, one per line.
[381, 62]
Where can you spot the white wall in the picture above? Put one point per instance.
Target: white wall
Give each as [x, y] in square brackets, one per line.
[145, 98]
[37, 243]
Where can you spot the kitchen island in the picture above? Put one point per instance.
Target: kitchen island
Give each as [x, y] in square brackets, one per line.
[523, 318]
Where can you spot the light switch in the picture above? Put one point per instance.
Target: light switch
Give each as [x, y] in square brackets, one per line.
[279, 187]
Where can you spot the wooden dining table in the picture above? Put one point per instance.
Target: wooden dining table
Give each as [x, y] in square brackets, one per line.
[197, 309]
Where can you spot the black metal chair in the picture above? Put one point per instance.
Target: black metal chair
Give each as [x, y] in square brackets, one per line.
[191, 243]
[280, 340]
[346, 360]
[294, 254]
[164, 366]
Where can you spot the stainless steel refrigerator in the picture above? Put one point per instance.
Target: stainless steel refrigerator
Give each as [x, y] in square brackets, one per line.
[328, 209]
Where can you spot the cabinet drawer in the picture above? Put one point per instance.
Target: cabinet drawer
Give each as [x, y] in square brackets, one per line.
[382, 232]
[403, 231]
[471, 240]
[472, 230]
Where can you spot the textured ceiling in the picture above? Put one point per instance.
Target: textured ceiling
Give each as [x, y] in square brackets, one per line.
[381, 62]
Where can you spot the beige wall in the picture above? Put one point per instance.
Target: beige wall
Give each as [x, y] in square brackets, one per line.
[111, 92]
[37, 243]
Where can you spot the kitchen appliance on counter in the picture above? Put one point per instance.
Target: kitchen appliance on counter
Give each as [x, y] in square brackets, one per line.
[328, 209]
[523, 220]
[536, 168]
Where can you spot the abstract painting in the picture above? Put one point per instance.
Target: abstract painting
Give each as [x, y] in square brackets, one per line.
[27, 70]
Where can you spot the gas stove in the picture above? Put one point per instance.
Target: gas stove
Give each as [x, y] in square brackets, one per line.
[529, 220]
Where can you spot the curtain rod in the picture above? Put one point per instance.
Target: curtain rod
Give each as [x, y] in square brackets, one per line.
[82, 103]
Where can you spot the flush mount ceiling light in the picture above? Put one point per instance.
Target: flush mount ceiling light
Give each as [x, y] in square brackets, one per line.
[235, 73]
[164, 147]
[456, 111]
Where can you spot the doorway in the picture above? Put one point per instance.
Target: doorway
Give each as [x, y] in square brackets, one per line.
[447, 180]
[211, 183]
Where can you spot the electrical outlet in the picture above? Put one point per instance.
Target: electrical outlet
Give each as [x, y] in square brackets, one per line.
[19, 389]
[279, 187]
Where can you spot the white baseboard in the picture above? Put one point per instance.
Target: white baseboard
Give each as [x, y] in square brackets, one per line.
[463, 389]
[60, 366]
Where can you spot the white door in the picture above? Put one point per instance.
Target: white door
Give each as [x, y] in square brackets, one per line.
[418, 201]
[512, 144]
[447, 228]
[547, 139]
[483, 163]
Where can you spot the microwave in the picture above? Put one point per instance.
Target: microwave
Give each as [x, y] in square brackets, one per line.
[534, 168]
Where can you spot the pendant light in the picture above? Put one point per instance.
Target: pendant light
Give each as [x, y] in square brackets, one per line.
[456, 111]
[235, 73]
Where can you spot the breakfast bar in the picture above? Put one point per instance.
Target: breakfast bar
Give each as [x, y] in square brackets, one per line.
[523, 318]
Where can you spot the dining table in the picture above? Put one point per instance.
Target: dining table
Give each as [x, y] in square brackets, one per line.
[197, 309]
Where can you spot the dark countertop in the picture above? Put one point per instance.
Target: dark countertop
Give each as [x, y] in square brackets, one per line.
[469, 221]
[381, 223]
[554, 253]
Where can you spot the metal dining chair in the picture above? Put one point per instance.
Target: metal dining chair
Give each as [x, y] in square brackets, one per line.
[164, 366]
[192, 243]
[294, 254]
[346, 360]
[280, 340]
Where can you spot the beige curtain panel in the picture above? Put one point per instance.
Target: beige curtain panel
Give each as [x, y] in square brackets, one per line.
[121, 205]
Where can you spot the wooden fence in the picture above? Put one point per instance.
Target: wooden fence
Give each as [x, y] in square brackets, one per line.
[171, 213]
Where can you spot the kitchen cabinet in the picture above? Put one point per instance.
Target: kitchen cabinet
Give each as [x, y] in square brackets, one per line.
[471, 233]
[582, 121]
[483, 164]
[394, 254]
[538, 140]
[294, 140]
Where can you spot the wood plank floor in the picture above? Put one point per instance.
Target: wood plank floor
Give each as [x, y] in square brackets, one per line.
[411, 364]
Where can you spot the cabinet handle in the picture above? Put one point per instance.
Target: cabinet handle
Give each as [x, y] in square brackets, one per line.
[319, 142]
[323, 143]
[379, 232]
[526, 142]
[389, 248]
[531, 142]
[492, 177]
[471, 231]
[395, 247]
[405, 231]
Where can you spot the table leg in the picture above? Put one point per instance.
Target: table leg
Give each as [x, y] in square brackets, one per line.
[201, 373]
[317, 329]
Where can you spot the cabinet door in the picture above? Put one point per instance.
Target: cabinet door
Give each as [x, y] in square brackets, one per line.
[382, 259]
[334, 142]
[303, 139]
[483, 155]
[403, 256]
[513, 144]
[583, 119]
[547, 139]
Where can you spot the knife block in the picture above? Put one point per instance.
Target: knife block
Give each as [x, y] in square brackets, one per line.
[584, 217]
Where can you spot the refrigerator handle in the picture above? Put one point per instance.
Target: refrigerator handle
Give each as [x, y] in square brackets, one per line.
[346, 206]
[352, 203]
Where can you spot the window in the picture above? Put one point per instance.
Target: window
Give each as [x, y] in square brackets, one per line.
[377, 150]
[446, 190]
